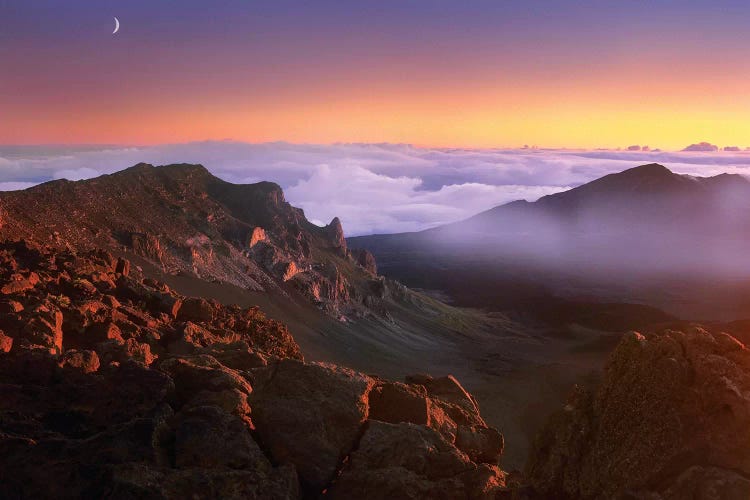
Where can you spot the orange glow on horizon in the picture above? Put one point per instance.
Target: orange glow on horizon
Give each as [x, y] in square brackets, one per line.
[613, 108]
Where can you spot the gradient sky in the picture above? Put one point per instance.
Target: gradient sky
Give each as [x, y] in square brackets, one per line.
[436, 73]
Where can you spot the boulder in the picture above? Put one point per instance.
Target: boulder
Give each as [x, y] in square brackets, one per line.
[208, 437]
[6, 342]
[85, 361]
[396, 402]
[194, 374]
[409, 461]
[196, 309]
[322, 409]
[667, 403]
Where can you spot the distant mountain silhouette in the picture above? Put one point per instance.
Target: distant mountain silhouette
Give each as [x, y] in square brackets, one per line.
[616, 231]
[649, 195]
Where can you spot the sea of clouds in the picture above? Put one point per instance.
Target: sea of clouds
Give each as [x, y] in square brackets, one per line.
[373, 188]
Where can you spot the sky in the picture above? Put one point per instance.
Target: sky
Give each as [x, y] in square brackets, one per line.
[434, 73]
[372, 188]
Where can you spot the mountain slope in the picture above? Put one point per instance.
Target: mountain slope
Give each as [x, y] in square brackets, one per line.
[244, 244]
[617, 238]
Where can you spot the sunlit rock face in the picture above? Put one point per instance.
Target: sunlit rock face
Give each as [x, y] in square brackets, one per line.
[669, 417]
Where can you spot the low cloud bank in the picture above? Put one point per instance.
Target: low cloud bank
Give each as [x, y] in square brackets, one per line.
[373, 188]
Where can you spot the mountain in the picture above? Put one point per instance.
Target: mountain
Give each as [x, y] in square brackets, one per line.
[235, 243]
[637, 226]
[186, 221]
[135, 362]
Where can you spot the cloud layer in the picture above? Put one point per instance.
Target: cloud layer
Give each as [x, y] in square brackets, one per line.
[373, 188]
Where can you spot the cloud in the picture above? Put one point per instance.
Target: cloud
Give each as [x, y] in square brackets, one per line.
[702, 146]
[371, 187]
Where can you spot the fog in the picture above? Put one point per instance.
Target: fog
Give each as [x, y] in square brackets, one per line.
[657, 223]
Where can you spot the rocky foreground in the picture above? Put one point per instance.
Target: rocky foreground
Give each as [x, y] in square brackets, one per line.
[115, 386]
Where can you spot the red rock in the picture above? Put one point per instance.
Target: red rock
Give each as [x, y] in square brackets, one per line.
[45, 327]
[236, 355]
[139, 351]
[481, 444]
[85, 361]
[194, 374]
[395, 402]
[322, 409]
[19, 283]
[196, 309]
[190, 338]
[166, 303]
[6, 342]
[10, 307]
[256, 235]
[100, 332]
[409, 461]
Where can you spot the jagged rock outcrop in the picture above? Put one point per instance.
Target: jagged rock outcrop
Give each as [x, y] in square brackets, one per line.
[335, 232]
[668, 421]
[365, 259]
[115, 386]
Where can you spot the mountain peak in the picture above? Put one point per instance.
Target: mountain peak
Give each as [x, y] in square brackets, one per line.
[649, 169]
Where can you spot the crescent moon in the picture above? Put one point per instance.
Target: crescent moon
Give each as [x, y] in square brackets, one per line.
[117, 26]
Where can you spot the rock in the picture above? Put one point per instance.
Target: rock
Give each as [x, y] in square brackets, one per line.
[86, 361]
[236, 355]
[122, 267]
[208, 437]
[408, 461]
[101, 332]
[194, 374]
[450, 390]
[6, 342]
[256, 235]
[667, 403]
[167, 303]
[335, 233]
[45, 327]
[322, 409]
[365, 259]
[288, 271]
[481, 444]
[139, 351]
[190, 338]
[147, 245]
[19, 284]
[196, 309]
[10, 307]
[395, 402]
